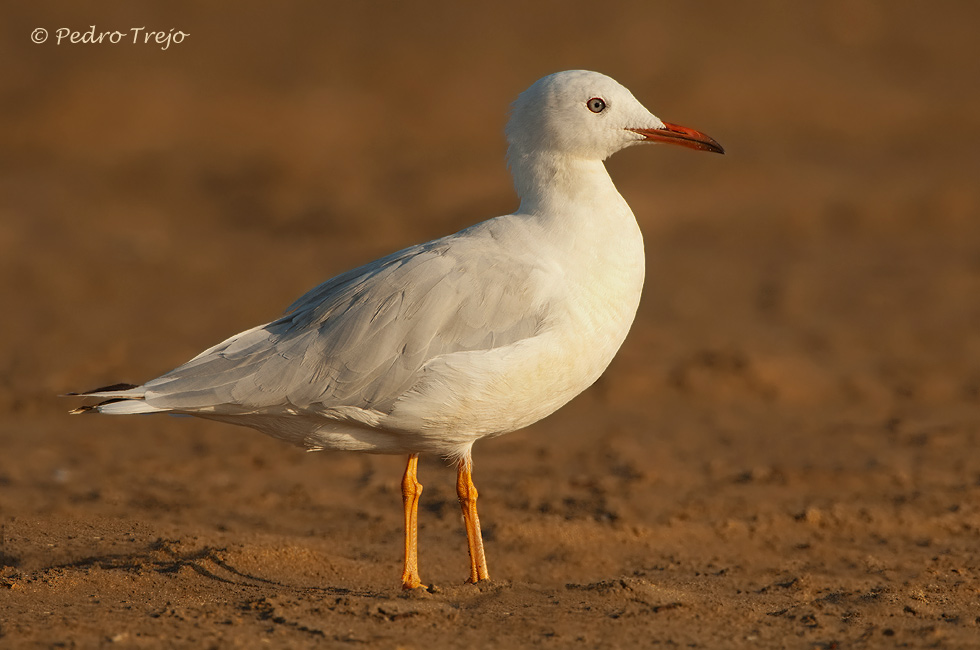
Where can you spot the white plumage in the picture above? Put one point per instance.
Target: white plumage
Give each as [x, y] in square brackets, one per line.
[468, 336]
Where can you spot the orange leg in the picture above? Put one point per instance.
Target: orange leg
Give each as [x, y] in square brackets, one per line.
[411, 489]
[467, 494]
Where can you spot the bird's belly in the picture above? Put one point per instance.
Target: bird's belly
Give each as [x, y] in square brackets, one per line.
[469, 395]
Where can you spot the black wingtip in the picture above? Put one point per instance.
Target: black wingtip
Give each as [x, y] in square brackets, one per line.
[104, 389]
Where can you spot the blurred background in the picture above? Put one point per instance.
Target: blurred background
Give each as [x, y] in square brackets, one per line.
[810, 325]
[156, 200]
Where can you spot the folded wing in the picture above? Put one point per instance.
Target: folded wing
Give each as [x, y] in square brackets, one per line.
[362, 338]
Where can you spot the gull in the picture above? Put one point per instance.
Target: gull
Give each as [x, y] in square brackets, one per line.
[465, 337]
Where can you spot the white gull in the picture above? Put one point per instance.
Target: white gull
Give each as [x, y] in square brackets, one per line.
[465, 337]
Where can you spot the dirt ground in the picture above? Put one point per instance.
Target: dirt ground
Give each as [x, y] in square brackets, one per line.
[783, 455]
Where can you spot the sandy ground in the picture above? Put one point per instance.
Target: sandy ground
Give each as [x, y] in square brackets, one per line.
[784, 454]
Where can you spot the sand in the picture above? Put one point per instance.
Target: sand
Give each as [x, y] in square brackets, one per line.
[783, 455]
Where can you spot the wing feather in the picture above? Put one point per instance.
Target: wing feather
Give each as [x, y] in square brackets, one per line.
[362, 338]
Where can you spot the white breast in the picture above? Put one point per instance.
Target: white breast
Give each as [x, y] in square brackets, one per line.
[595, 268]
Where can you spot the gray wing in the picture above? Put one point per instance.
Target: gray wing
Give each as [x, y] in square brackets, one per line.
[362, 338]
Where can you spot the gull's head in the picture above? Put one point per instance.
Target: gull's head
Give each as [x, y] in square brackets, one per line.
[588, 115]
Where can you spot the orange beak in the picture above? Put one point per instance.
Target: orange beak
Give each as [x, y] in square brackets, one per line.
[685, 137]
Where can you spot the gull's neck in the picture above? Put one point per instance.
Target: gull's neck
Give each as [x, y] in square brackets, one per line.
[588, 231]
[554, 184]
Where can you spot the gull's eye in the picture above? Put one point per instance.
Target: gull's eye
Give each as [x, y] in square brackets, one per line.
[596, 105]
